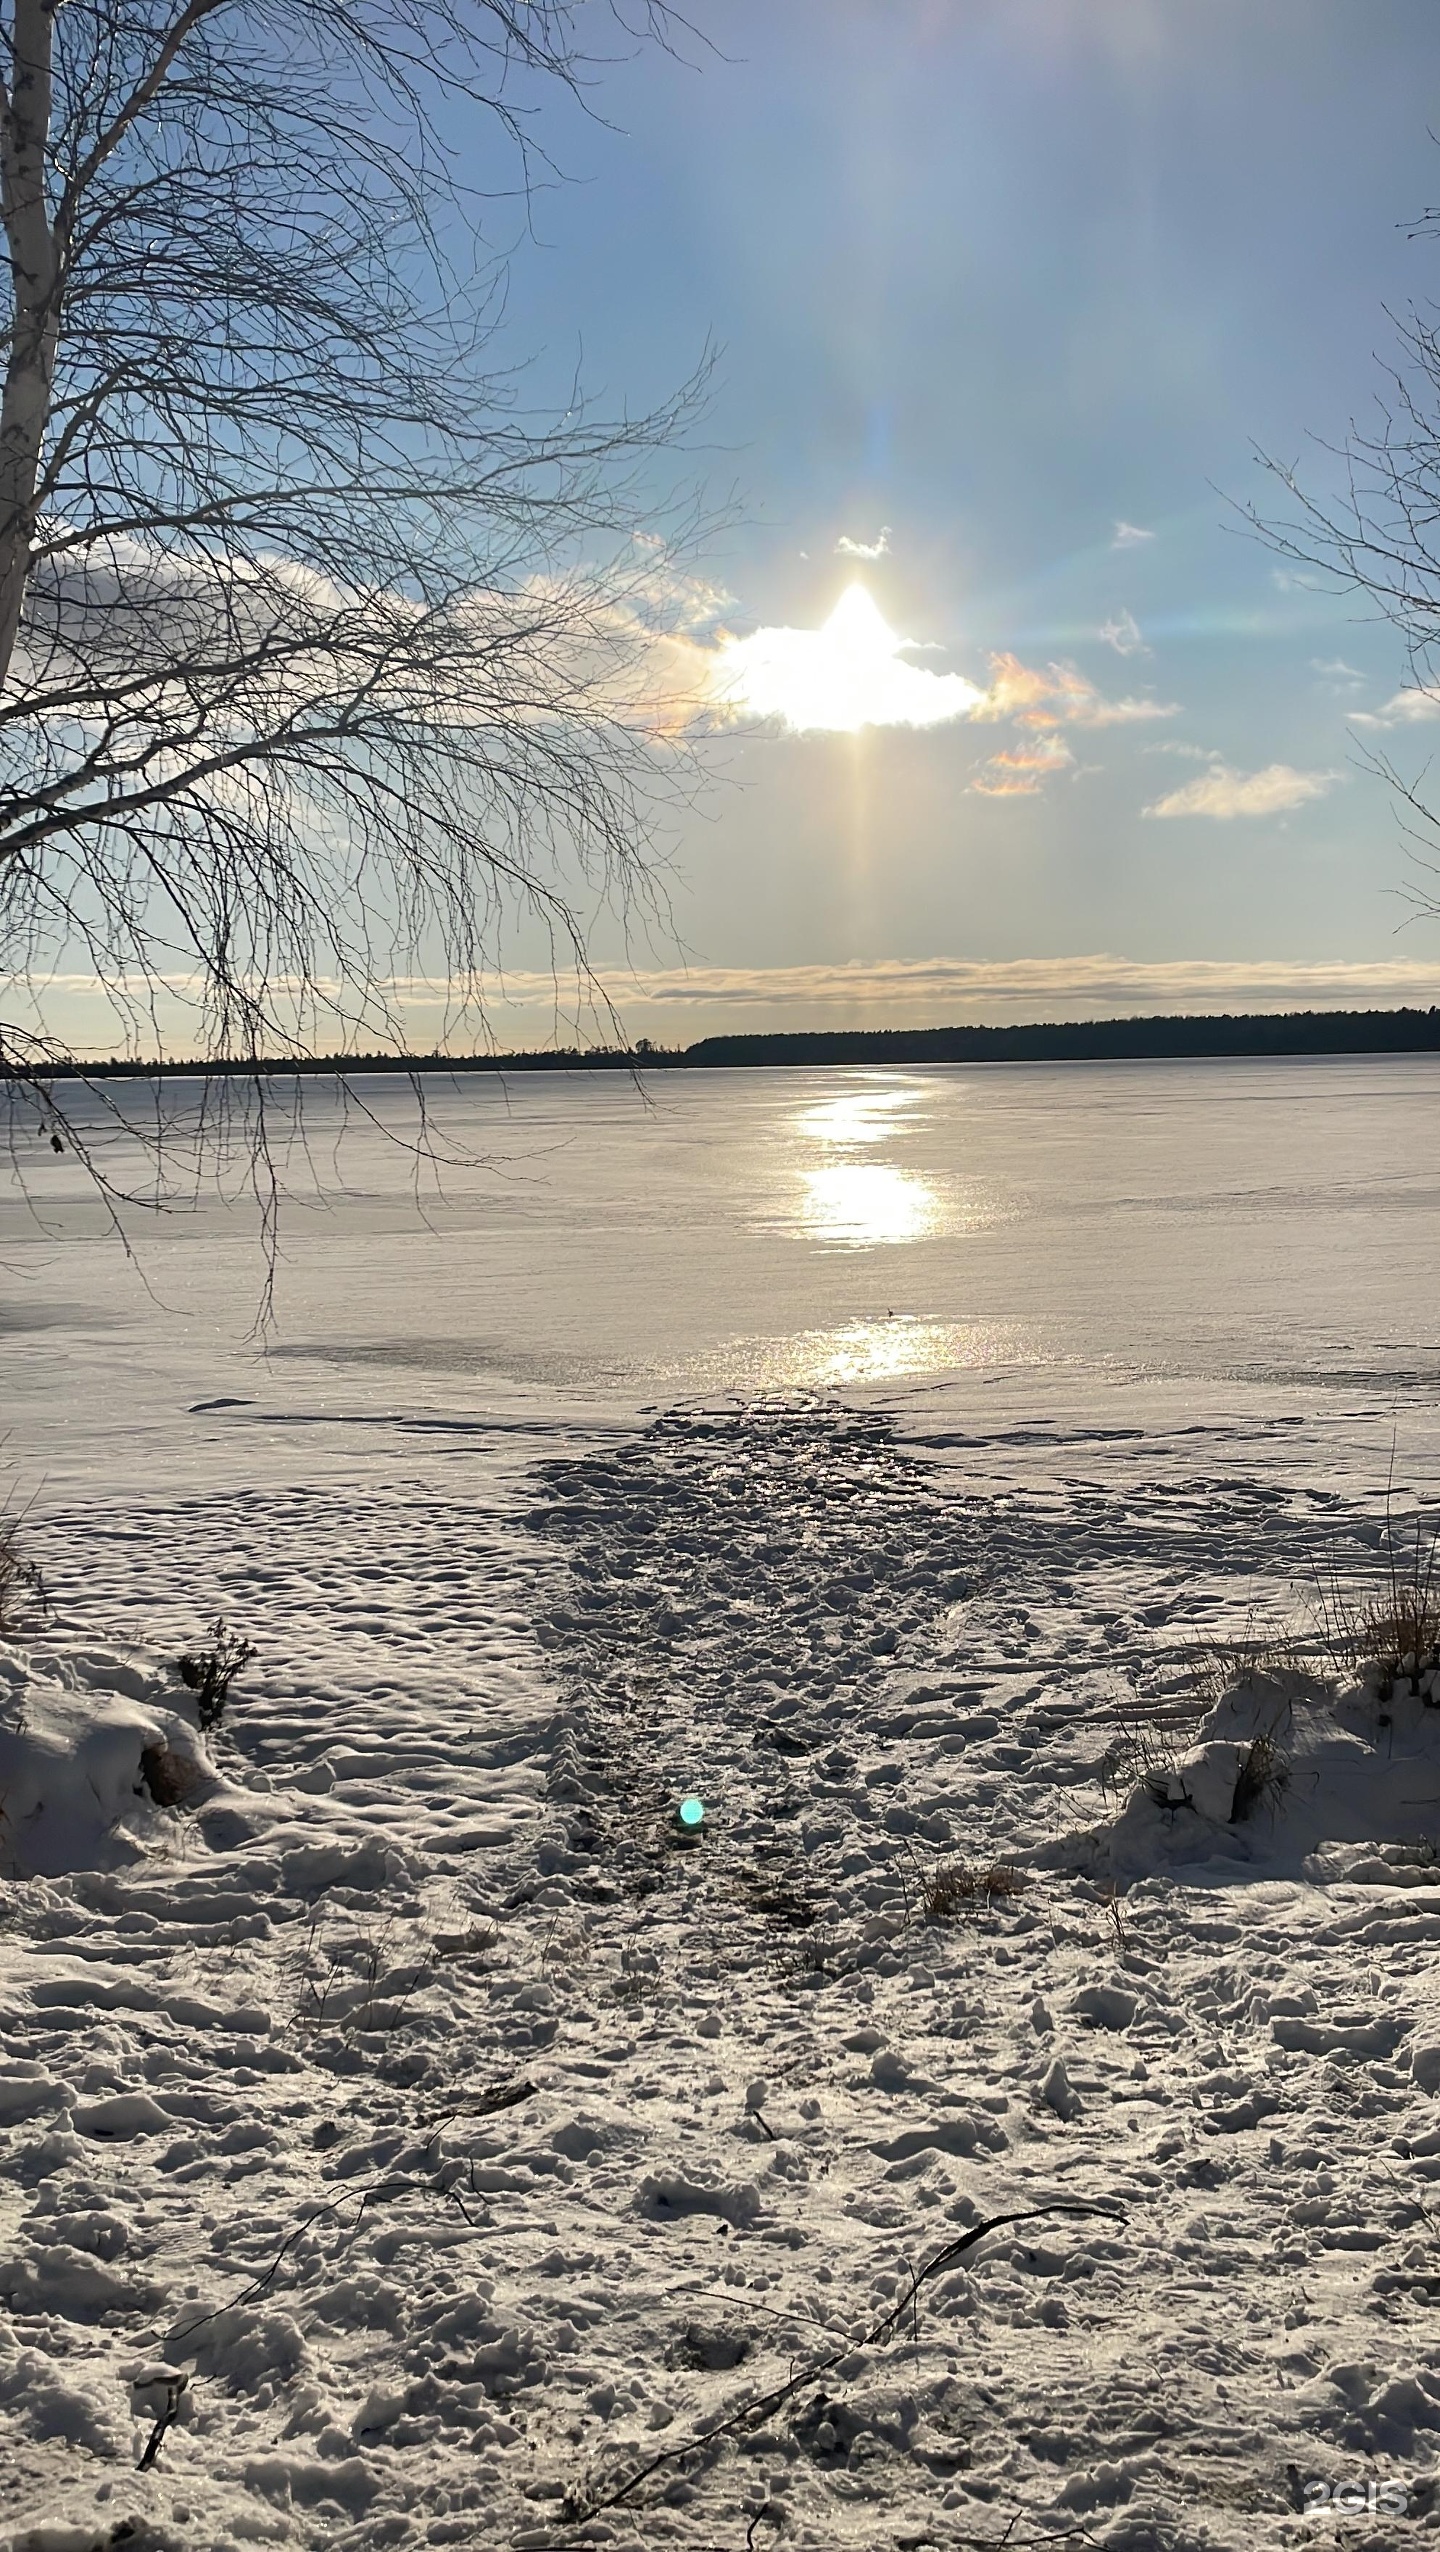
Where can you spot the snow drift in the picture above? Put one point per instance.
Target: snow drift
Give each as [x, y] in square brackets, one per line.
[1285, 1773]
[96, 1754]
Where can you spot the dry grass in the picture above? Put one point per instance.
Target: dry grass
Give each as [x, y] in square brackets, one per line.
[783, 1904]
[956, 1888]
[1263, 1654]
[1147, 1745]
[23, 1601]
[362, 1983]
[479, 1941]
[1108, 1891]
[1378, 1623]
[1390, 1620]
[1152, 1739]
[1382, 1620]
[1261, 1778]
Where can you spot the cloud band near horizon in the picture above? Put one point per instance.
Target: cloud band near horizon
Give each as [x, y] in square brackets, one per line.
[679, 1005]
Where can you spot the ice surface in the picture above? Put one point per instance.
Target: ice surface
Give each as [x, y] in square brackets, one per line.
[466, 2135]
[1100, 1245]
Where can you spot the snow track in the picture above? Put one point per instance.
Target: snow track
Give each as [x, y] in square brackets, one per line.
[467, 2140]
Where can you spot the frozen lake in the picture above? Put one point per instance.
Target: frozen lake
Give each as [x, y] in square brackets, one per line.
[1107, 1243]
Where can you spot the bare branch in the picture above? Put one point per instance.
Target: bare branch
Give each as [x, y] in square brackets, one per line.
[1378, 539]
[322, 652]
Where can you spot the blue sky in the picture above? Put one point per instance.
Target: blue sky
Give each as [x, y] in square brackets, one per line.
[996, 277]
[1005, 293]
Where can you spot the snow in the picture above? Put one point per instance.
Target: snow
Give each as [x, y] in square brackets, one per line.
[469, 2136]
[452, 2148]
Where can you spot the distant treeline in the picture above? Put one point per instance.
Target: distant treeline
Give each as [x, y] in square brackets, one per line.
[1095, 1040]
[348, 1066]
[1048, 1041]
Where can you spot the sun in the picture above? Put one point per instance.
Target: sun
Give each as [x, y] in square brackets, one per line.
[848, 674]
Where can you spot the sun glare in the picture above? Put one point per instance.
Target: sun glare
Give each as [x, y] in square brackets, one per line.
[849, 674]
[868, 1204]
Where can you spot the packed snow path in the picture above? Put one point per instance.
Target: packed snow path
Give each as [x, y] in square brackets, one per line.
[468, 2141]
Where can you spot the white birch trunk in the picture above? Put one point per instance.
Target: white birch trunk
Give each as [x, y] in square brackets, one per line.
[35, 304]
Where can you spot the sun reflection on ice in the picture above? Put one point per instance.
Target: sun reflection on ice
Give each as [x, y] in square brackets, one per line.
[896, 1348]
[864, 1204]
[857, 1116]
[886, 1350]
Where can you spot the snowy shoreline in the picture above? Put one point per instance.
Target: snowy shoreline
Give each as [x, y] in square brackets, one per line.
[467, 2142]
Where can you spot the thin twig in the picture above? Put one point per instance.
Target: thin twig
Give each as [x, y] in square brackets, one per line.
[754, 2413]
[378, 2194]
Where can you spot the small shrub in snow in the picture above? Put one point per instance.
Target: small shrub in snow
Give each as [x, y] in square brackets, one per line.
[210, 1672]
[1150, 1737]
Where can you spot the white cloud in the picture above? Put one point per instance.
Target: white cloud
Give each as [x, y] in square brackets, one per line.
[634, 641]
[675, 1005]
[1086, 982]
[1122, 632]
[846, 548]
[1059, 695]
[1335, 673]
[855, 672]
[1130, 536]
[1223, 794]
[1023, 768]
[1416, 705]
[1182, 752]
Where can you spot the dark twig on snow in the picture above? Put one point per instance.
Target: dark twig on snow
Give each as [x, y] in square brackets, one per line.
[175, 2391]
[503, 2095]
[754, 2413]
[506, 2095]
[379, 2193]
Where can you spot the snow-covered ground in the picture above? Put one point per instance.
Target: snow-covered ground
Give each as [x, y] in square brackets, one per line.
[473, 2146]
[391, 2090]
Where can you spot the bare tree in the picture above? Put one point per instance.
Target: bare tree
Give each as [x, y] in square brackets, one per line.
[319, 651]
[1378, 538]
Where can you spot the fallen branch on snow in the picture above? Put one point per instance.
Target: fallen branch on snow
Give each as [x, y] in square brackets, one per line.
[379, 2193]
[753, 2414]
